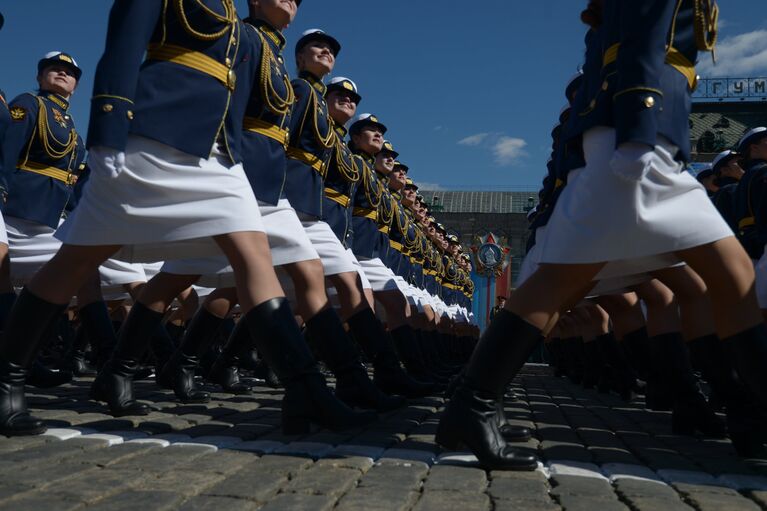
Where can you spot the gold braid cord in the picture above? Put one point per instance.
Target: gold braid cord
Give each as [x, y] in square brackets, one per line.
[345, 163]
[706, 24]
[368, 182]
[229, 18]
[45, 134]
[271, 98]
[326, 140]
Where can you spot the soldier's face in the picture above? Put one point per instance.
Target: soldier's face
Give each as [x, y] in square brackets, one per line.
[317, 58]
[369, 139]
[385, 162]
[408, 195]
[758, 151]
[341, 106]
[59, 79]
[732, 169]
[279, 13]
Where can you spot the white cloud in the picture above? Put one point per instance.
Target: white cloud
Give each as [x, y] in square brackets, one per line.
[741, 56]
[474, 139]
[508, 150]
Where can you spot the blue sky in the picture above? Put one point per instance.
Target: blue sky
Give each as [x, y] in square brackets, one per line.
[469, 90]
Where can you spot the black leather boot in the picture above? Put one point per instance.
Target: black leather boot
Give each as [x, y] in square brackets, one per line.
[509, 432]
[353, 386]
[746, 420]
[658, 393]
[6, 304]
[388, 374]
[162, 347]
[44, 377]
[98, 329]
[639, 351]
[409, 352]
[622, 377]
[470, 418]
[75, 360]
[114, 384]
[27, 326]
[748, 352]
[178, 373]
[307, 397]
[225, 371]
[691, 412]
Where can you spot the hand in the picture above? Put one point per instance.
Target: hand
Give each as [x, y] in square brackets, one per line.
[106, 159]
[631, 161]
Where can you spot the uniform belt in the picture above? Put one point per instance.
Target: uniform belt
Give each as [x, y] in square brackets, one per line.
[674, 58]
[313, 161]
[45, 170]
[266, 129]
[193, 60]
[746, 222]
[337, 196]
[396, 245]
[370, 214]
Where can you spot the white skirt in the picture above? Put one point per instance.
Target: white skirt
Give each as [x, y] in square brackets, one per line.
[335, 259]
[634, 225]
[159, 203]
[31, 245]
[288, 243]
[532, 260]
[379, 275]
[3, 234]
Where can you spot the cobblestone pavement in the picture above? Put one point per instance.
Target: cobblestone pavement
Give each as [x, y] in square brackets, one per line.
[597, 451]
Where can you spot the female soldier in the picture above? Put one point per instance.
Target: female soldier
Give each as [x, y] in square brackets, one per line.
[167, 183]
[642, 192]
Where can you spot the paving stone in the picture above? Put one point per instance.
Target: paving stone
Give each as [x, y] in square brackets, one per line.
[300, 502]
[324, 481]
[359, 463]
[376, 499]
[720, 502]
[446, 500]
[357, 450]
[311, 449]
[523, 486]
[631, 488]
[40, 500]
[161, 460]
[427, 457]
[462, 479]
[655, 504]
[139, 499]
[565, 451]
[570, 502]
[395, 476]
[215, 503]
[582, 486]
[760, 497]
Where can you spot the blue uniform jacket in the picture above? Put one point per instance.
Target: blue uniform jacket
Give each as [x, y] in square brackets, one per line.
[367, 197]
[343, 174]
[311, 138]
[751, 208]
[267, 115]
[649, 51]
[724, 201]
[46, 155]
[182, 94]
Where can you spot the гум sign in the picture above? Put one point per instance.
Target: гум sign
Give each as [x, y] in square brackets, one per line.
[733, 89]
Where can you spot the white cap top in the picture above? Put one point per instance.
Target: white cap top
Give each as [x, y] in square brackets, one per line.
[340, 79]
[721, 156]
[750, 133]
[53, 54]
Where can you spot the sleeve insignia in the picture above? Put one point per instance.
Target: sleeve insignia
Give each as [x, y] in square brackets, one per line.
[18, 113]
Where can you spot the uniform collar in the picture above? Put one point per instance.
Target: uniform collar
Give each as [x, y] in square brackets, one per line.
[340, 131]
[397, 195]
[314, 81]
[55, 98]
[269, 31]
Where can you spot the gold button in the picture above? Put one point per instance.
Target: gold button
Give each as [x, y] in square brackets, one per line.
[649, 101]
[107, 108]
[605, 85]
[129, 113]
[228, 61]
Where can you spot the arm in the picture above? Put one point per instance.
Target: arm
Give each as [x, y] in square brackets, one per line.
[644, 26]
[24, 111]
[131, 25]
[304, 92]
